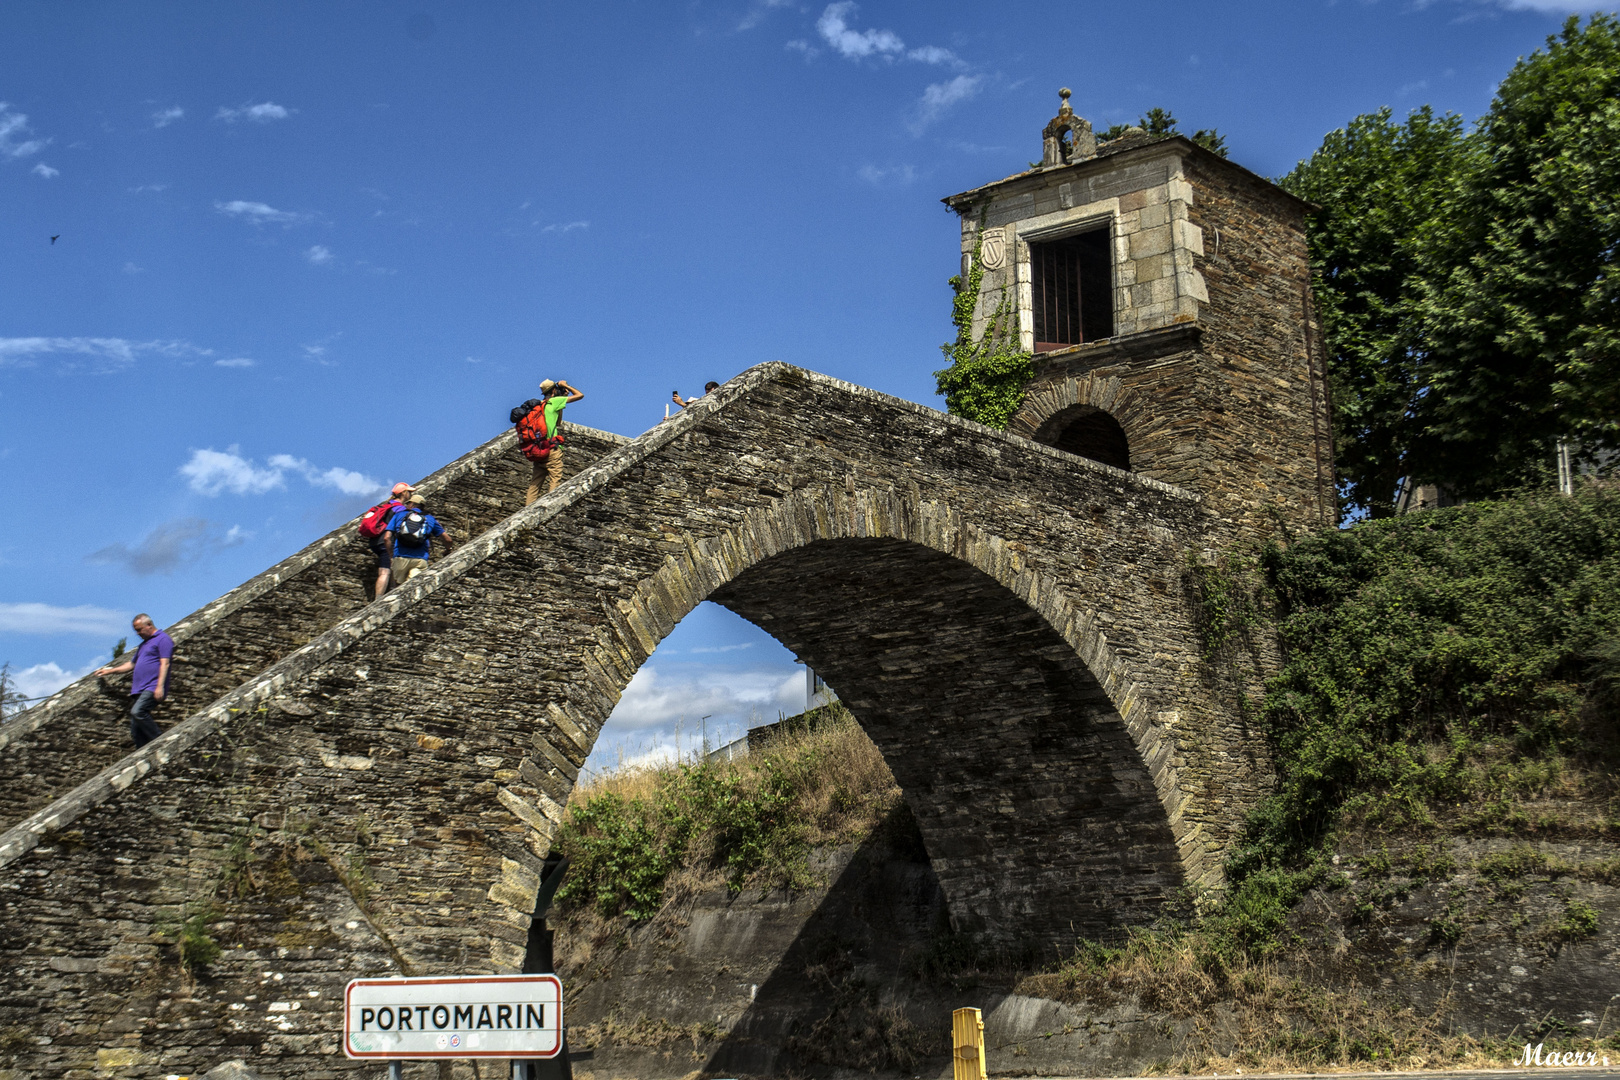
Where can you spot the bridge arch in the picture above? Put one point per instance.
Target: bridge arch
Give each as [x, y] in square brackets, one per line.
[1042, 784]
[1089, 415]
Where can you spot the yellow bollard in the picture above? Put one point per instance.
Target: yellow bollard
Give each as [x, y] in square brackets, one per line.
[967, 1035]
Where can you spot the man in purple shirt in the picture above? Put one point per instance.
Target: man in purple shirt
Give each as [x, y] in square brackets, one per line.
[150, 683]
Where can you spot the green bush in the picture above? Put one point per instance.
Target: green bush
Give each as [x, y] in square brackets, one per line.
[751, 822]
[1437, 660]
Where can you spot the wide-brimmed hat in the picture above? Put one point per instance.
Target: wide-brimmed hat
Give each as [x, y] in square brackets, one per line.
[547, 384]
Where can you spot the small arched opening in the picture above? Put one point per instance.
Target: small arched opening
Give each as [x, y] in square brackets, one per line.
[1089, 432]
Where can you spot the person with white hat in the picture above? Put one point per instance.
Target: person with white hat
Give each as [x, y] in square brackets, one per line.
[545, 452]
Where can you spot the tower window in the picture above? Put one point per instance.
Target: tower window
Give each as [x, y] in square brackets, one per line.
[1073, 290]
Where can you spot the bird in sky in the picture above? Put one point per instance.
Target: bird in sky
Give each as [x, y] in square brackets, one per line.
[55, 238]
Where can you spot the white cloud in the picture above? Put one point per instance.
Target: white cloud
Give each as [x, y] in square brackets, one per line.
[212, 472]
[318, 255]
[164, 117]
[108, 354]
[262, 113]
[43, 680]
[898, 175]
[761, 8]
[941, 96]
[171, 545]
[933, 54]
[43, 619]
[149, 187]
[566, 227]
[652, 701]
[662, 719]
[722, 648]
[45, 170]
[854, 44]
[260, 213]
[799, 45]
[14, 126]
[131, 268]
[346, 481]
[316, 351]
[1551, 7]
[235, 361]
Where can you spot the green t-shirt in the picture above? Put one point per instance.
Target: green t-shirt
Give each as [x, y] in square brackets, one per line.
[554, 408]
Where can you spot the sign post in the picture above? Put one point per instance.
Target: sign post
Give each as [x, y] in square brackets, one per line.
[466, 1016]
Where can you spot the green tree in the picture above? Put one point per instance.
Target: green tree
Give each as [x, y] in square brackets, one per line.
[1379, 184]
[1521, 288]
[11, 698]
[1160, 122]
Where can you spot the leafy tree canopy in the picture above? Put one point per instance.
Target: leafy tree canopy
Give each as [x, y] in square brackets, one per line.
[1466, 280]
[1160, 122]
[1377, 183]
[1519, 295]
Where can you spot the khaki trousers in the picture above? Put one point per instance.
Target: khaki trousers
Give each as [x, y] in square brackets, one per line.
[402, 569]
[549, 468]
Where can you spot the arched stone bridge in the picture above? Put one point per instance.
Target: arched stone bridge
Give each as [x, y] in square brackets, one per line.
[1007, 620]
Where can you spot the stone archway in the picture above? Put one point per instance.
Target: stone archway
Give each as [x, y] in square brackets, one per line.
[1000, 709]
[423, 749]
[1090, 415]
[1089, 432]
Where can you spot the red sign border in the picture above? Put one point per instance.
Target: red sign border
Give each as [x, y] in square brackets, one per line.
[430, 980]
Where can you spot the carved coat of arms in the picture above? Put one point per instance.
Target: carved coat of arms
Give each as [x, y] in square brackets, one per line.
[993, 252]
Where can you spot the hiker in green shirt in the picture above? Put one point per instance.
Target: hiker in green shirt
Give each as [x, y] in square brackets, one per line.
[559, 395]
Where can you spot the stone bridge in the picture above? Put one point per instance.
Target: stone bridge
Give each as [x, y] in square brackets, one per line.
[1007, 620]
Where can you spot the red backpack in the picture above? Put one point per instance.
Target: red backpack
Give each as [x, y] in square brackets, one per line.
[533, 439]
[374, 522]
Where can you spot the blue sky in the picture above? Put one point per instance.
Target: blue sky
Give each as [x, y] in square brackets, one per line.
[306, 249]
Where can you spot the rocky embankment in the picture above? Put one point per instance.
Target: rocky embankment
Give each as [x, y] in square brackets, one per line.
[1432, 953]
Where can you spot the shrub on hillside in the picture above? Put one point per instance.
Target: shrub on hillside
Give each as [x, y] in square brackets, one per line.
[749, 822]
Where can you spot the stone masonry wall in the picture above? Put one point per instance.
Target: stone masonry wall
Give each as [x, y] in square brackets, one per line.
[1144, 204]
[380, 799]
[1270, 440]
[68, 738]
[1227, 396]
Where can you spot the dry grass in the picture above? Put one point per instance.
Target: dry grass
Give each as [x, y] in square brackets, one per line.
[826, 785]
[1247, 1015]
[852, 770]
[653, 1033]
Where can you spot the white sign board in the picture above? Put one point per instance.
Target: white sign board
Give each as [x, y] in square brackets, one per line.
[457, 1016]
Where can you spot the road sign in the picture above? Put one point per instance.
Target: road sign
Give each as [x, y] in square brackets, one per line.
[465, 1016]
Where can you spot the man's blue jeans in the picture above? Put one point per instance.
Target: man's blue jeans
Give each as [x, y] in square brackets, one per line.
[142, 728]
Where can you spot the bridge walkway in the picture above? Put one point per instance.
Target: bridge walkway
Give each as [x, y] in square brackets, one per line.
[48, 750]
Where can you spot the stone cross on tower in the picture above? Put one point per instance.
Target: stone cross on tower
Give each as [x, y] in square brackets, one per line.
[1067, 138]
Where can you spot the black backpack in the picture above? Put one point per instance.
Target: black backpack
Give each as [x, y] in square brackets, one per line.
[413, 528]
[526, 408]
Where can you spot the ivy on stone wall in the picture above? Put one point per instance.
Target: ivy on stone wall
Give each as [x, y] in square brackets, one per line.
[987, 377]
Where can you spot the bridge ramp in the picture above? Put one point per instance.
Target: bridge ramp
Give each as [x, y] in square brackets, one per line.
[1007, 620]
[50, 749]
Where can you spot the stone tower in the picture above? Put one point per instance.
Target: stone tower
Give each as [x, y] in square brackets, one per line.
[1165, 293]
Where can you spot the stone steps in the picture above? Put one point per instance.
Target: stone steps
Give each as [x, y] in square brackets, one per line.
[65, 740]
